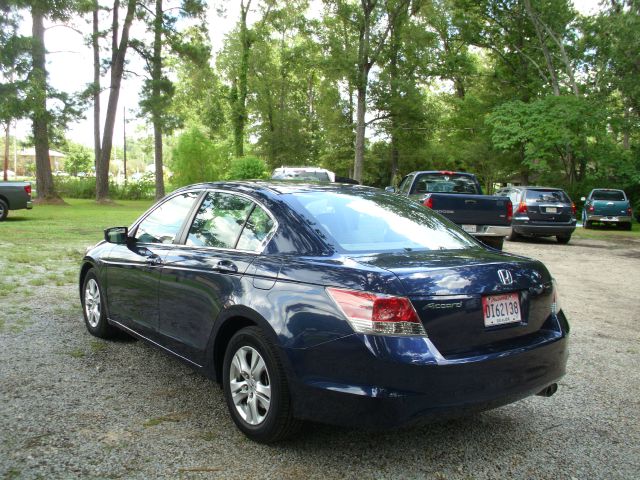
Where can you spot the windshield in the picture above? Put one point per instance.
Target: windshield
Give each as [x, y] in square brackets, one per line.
[554, 196]
[373, 221]
[445, 183]
[610, 195]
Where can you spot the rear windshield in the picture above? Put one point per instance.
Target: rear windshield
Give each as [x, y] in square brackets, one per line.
[444, 183]
[555, 196]
[611, 195]
[371, 221]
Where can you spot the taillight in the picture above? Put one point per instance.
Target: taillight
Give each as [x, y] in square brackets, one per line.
[629, 211]
[573, 208]
[377, 314]
[522, 207]
[590, 208]
[27, 188]
[509, 211]
[447, 172]
[428, 202]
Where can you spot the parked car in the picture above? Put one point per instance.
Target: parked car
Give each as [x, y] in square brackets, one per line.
[333, 303]
[541, 212]
[607, 206]
[458, 196]
[304, 174]
[14, 196]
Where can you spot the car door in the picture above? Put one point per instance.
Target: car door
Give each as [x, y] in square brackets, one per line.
[205, 274]
[133, 270]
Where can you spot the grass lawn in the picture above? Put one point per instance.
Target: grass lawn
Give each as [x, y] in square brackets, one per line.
[607, 232]
[42, 248]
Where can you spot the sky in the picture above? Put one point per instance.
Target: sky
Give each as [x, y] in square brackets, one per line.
[70, 66]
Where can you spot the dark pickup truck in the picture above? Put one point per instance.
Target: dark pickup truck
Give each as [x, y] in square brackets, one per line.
[14, 196]
[458, 196]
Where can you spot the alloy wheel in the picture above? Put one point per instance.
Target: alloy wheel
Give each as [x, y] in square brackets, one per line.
[250, 385]
[92, 302]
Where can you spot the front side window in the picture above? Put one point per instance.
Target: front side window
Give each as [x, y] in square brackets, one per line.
[219, 220]
[370, 221]
[163, 224]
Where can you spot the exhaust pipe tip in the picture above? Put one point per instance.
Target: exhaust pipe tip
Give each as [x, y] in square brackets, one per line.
[548, 391]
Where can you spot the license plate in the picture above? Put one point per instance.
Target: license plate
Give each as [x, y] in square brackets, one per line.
[501, 309]
[469, 228]
[552, 210]
[610, 219]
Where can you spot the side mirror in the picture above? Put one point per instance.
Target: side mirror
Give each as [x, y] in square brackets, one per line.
[584, 199]
[116, 235]
[390, 189]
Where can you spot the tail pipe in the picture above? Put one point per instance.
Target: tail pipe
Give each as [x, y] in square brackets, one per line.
[548, 391]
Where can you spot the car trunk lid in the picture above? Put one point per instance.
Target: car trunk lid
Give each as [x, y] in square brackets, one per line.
[447, 290]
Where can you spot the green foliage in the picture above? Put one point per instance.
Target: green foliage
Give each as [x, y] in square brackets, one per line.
[196, 158]
[247, 168]
[85, 187]
[79, 159]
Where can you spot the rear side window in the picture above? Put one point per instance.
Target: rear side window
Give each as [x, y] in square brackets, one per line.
[405, 184]
[219, 220]
[555, 196]
[610, 195]
[445, 183]
[256, 230]
[163, 224]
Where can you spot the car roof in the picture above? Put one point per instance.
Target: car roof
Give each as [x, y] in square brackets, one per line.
[446, 172]
[279, 187]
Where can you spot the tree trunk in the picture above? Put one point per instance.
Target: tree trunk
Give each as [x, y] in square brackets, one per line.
[362, 80]
[157, 116]
[240, 107]
[545, 49]
[6, 151]
[117, 68]
[361, 109]
[96, 85]
[394, 47]
[44, 178]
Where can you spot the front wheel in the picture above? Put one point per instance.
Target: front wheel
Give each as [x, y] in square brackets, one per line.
[256, 387]
[95, 317]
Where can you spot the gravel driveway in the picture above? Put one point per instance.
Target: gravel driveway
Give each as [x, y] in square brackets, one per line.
[75, 406]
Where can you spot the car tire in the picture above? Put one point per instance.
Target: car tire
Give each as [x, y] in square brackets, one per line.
[93, 308]
[513, 236]
[627, 226]
[563, 239]
[4, 210]
[494, 242]
[587, 224]
[256, 388]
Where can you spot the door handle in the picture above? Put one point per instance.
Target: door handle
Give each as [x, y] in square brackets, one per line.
[226, 266]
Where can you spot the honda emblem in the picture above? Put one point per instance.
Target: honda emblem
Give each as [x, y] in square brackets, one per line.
[505, 277]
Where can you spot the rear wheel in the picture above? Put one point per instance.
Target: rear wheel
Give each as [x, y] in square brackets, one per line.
[494, 242]
[513, 236]
[4, 210]
[626, 226]
[95, 317]
[256, 387]
[563, 239]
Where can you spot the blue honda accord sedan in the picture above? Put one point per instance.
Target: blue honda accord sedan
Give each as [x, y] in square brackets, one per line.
[333, 303]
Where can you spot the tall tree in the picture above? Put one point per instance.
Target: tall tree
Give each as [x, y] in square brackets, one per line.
[119, 46]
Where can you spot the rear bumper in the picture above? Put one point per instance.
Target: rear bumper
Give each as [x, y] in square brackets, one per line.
[385, 382]
[545, 229]
[29, 205]
[609, 218]
[491, 231]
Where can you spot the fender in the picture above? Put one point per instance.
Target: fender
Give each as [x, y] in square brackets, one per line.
[245, 316]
